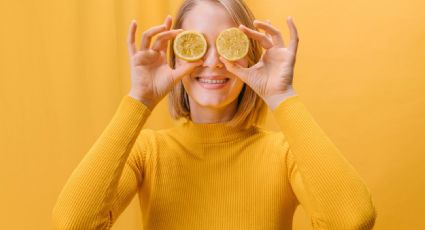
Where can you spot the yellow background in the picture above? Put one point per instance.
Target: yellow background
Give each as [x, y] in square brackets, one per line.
[63, 70]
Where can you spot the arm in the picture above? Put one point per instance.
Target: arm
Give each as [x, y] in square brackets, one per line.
[107, 178]
[324, 182]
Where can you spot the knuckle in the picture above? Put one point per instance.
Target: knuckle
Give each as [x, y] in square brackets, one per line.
[165, 35]
[161, 36]
[145, 34]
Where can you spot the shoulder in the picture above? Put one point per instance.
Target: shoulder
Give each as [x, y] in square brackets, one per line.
[274, 139]
[146, 133]
[151, 138]
[146, 138]
[274, 144]
[145, 145]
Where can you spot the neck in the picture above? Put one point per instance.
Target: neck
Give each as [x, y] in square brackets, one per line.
[206, 114]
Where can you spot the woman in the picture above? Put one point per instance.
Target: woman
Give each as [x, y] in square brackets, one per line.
[218, 169]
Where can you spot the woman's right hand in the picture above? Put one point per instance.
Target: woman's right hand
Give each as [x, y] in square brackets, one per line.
[151, 77]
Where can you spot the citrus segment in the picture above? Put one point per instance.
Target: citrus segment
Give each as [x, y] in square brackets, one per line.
[232, 44]
[190, 45]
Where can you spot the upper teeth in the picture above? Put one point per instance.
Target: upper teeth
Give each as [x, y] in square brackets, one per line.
[212, 81]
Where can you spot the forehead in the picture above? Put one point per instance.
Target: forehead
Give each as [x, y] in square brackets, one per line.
[208, 18]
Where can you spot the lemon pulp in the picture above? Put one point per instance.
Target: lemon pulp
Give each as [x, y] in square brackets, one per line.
[232, 44]
[190, 45]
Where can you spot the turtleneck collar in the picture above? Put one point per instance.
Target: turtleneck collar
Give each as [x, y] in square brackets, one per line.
[211, 132]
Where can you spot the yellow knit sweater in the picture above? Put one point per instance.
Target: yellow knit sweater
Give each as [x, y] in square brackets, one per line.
[210, 176]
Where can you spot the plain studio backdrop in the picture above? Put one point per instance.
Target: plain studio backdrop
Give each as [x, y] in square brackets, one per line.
[63, 70]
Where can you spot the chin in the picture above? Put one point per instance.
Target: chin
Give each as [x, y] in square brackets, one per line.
[213, 101]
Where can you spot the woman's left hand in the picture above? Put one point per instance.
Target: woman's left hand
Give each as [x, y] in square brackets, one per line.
[271, 78]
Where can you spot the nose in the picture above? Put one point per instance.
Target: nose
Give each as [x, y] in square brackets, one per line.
[211, 58]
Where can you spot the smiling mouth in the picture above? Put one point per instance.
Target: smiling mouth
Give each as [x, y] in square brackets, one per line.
[212, 81]
[213, 84]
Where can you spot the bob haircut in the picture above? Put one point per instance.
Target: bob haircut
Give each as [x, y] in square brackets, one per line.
[251, 109]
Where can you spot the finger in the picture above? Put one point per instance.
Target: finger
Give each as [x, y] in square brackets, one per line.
[234, 68]
[184, 69]
[148, 34]
[294, 39]
[268, 22]
[273, 31]
[262, 38]
[163, 38]
[130, 38]
[168, 22]
[267, 34]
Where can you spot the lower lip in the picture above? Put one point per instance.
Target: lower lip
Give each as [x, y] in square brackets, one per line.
[213, 86]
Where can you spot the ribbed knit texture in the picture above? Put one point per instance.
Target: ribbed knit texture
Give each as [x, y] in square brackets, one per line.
[211, 176]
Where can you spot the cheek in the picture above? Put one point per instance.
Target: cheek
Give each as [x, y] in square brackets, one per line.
[186, 82]
[189, 85]
[238, 86]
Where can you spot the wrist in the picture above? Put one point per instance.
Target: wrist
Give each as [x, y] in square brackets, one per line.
[275, 100]
[148, 103]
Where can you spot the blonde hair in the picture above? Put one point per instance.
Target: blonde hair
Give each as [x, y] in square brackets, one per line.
[251, 109]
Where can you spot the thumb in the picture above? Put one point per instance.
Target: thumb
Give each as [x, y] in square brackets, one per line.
[184, 69]
[235, 68]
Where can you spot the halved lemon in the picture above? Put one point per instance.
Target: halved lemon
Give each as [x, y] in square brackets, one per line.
[232, 44]
[190, 45]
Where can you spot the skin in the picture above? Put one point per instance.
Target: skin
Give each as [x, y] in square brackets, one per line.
[271, 77]
[211, 105]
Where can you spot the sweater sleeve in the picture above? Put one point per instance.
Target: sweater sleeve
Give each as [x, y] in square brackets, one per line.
[108, 176]
[326, 185]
